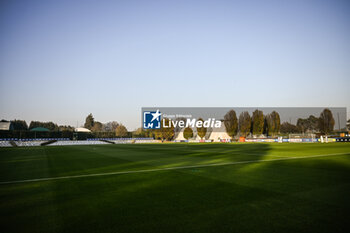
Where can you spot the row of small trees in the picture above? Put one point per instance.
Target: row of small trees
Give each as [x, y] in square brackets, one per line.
[323, 124]
[269, 124]
[257, 124]
[22, 125]
[244, 125]
[99, 129]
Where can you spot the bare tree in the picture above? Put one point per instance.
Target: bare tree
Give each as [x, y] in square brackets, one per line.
[97, 127]
[110, 126]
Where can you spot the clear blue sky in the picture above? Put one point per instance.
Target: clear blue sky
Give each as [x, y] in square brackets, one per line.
[61, 60]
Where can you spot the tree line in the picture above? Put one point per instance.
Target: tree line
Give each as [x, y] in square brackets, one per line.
[246, 124]
[270, 124]
[256, 124]
[22, 125]
[243, 125]
[113, 127]
[109, 129]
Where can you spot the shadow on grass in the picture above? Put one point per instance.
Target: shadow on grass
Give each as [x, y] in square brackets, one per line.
[283, 196]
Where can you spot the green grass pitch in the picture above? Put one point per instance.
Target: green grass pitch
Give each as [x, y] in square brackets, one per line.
[176, 188]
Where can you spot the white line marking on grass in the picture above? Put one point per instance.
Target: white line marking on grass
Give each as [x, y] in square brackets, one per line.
[165, 169]
[277, 156]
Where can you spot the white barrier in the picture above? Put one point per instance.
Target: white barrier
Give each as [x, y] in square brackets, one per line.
[73, 143]
[5, 144]
[28, 143]
[122, 141]
[147, 141]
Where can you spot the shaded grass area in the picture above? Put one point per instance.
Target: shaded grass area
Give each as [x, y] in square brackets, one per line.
[307, 195]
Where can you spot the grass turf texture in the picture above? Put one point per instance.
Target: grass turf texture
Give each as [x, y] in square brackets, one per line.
[297, 195]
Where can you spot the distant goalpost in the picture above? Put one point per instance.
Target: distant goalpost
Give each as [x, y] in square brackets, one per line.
[305, 137]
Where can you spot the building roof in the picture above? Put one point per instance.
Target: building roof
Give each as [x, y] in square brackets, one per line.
[5, 126]
[40, 129]
[82, 130]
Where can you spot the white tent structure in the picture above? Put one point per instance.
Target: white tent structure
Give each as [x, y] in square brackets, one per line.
[219, 134]
[180, 136]
[213, 134]
[85, 130]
